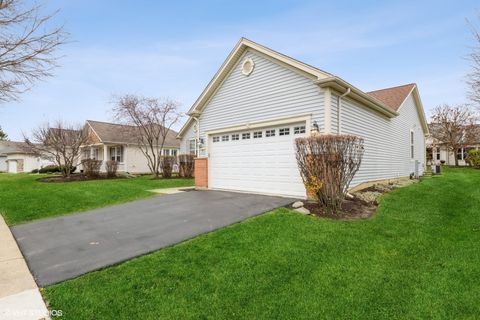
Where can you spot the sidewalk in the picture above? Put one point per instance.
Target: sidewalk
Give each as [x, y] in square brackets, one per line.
[19, 295]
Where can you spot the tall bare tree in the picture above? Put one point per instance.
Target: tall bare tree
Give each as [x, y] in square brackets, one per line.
[27, 47]
[59, 143]
[152, 120]
[453, 126]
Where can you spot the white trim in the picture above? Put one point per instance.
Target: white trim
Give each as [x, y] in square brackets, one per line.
[328, 110]
[341, 85]
[261, 124]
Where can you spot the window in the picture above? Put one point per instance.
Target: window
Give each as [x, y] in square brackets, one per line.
[174, 152]
[235, 136]
[412, 144]
[246, 135]
[86, 153]
[192, 146]
[257, 134]
[216, 139]
[225, 138]
[299, 130]
[270, 133]
[94, 154]
[462, 153]
[437, 153]
[116, 154]
[284, 132]
[166, 152]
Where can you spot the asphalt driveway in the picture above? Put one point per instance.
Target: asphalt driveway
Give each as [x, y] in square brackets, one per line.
[63, 248]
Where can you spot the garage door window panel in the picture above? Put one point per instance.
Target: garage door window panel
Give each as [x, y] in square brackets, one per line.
[270, 133]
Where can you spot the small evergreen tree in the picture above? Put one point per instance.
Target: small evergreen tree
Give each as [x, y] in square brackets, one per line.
[3, 135]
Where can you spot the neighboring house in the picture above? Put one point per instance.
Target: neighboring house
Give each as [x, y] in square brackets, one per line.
[243, 125]
[110, 141]
[438, 153]
[15, 159]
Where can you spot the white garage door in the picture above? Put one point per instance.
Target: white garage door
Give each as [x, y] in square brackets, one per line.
[12, 166]
[260, 161]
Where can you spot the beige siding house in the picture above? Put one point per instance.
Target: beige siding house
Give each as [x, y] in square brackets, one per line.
[14, 158]
[110, 141]
[438, 152]
[243, 125]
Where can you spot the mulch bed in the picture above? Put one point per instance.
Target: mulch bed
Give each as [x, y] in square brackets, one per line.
[351, 209]
[76, 177]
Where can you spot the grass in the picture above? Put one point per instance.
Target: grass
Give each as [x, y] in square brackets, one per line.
[23, 198]
[418, 257]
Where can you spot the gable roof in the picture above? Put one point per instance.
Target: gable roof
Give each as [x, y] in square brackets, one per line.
[376, 100]
[394, 96]
[124, 134]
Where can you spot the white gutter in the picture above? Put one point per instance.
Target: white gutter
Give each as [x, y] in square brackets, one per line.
[339, 110]
[197, 149]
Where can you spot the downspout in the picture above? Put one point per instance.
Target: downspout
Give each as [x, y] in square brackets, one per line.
[197, 142]
[339, 110]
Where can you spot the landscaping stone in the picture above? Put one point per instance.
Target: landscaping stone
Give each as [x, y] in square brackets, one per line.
[368, 196]
[297, 204]
[303, 210]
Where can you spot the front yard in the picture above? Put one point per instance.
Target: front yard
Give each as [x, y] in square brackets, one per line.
[418, 257]
[23, 198]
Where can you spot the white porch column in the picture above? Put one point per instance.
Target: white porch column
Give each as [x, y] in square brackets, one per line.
[125, 163]
[105, 159]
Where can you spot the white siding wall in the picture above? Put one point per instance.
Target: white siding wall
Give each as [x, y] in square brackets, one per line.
[3, 163]
[135, 160]
[184, 143]
[387, 141]
[271, 91]
[29, 162]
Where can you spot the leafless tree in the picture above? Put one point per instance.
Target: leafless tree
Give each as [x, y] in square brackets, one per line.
[152, 119]
[327, 164]
[453, 126]
[59, 143]
[27, 47]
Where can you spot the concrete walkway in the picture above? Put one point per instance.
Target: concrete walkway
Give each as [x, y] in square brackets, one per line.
[63, 248]
[19, 295]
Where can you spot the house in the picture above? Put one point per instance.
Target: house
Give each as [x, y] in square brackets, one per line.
[14, 158]
[438, 153]
[111, 141]
[243, 125]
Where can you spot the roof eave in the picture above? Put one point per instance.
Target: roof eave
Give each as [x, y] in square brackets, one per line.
[357, 94]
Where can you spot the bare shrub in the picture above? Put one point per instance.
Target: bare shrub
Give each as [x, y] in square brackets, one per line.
[327, 165]
[186, 165]
[59, 143]
[112, 167]
[91, 167]
[166, 164]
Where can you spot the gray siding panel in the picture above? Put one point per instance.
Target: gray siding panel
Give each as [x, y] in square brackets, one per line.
[387, 141]
[270, 92]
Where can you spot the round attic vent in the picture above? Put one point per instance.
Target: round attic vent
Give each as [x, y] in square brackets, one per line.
[247, 66]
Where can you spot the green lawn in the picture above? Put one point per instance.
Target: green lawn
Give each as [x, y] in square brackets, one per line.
[419, 257]
[23, 198]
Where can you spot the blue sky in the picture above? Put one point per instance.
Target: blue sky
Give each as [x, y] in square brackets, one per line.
[173, 48]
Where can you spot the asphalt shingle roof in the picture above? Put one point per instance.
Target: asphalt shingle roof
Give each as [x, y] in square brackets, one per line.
[125, 134]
